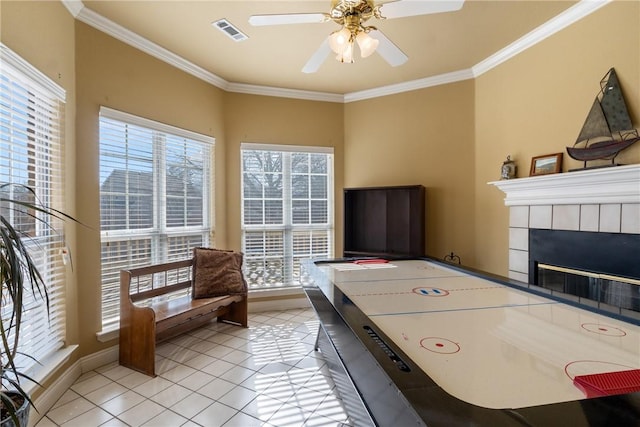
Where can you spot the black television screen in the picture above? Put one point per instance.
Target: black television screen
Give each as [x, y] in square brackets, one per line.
[384, 221]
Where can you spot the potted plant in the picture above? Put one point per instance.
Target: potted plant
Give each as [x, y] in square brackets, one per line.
[19, 276]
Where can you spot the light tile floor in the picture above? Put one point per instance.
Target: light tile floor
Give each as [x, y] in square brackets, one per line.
[218, 375]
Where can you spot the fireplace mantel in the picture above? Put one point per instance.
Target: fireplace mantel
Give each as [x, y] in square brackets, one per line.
[620, 184]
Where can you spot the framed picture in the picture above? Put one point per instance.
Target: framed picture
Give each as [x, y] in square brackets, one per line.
[542, 165]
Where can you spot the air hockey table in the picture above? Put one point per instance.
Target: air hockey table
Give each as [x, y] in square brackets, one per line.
[421, 342]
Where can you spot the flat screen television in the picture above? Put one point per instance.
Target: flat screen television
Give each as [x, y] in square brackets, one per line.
[384, 221]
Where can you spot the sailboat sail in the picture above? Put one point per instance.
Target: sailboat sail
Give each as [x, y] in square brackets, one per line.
[595, 125]
[613, 105]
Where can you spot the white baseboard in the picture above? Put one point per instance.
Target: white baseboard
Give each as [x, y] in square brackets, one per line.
[53, 392]
[101, 358]
[277, 305]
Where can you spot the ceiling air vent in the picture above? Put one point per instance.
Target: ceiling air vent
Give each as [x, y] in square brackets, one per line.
[229, 29]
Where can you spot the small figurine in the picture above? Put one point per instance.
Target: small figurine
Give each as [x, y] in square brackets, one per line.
[508, 169]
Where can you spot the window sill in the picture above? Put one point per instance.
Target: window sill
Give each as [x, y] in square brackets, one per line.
[108, 334]
[42, 371]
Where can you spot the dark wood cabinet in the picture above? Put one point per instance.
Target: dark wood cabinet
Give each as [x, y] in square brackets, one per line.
[384, 221]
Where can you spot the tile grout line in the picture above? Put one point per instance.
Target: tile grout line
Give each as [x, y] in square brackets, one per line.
[286, 334]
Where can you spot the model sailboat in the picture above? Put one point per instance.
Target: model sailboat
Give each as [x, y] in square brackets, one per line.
[607, 129]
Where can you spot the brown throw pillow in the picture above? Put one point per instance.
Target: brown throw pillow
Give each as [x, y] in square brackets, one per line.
[217, 272]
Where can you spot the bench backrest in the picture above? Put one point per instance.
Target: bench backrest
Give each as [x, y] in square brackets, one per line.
[159, 279]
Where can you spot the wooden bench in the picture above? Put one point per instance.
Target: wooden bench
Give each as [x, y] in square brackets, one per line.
[152, 310]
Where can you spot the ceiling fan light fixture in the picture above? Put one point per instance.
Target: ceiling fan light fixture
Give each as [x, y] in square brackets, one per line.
[352, 17]
[366, 43]
[338, 40]
[346, 56]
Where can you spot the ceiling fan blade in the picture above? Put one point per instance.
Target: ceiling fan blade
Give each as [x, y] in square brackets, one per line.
[388, 50]
[290, 18]
[316, 60]
[402, 8]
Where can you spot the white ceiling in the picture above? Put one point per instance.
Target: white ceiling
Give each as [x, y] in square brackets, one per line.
[482, 31]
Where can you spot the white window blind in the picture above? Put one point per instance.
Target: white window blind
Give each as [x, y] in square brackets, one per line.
[155, 194]
[287, 211]
[31, 124]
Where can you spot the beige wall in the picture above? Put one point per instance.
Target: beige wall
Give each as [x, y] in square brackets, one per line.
[535, 104]
[269, 120]
[453, 138]
[115, 75]
[421, 137]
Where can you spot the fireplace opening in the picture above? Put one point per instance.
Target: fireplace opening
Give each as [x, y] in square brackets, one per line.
[600, 271]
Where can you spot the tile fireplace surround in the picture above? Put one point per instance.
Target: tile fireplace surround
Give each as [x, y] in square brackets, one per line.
[603, 200]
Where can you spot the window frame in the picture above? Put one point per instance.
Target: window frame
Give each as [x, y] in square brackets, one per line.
[288, 227]
[159, 234]
[32, 108]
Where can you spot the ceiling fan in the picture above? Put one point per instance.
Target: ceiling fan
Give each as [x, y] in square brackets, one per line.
[352, 15]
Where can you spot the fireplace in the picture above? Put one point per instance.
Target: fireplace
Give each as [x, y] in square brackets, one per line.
[569, 232]
[598, 270]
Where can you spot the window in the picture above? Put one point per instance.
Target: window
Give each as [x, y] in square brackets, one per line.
[154, 197]
[31, 122]
[287, 211]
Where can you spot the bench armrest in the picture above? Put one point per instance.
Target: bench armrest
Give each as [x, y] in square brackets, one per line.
[137, 330]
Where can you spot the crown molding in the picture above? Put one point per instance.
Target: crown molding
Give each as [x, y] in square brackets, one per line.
[99, 22]
[552, 26]
[561, 21]
[438, 80]
[284, 93]
[73, 6]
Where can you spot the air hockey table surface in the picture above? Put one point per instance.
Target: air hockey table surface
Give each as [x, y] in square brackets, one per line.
[484, 343]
